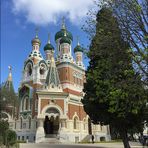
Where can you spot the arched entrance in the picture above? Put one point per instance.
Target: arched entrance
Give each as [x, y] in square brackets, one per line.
[51, 122]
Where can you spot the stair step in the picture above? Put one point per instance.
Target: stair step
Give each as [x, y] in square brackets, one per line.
[51, 140]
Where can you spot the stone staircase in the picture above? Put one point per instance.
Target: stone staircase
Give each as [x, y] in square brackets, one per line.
[86, 138]
[51, 138]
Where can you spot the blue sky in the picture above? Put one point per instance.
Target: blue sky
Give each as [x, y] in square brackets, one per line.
[19, 19]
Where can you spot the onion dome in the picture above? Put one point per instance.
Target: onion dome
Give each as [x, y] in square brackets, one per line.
[48, 46]
[78, 48]
[36, 40]
[65, 39]
[61, 33]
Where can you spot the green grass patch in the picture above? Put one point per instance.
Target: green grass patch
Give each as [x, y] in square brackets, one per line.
[112, 141]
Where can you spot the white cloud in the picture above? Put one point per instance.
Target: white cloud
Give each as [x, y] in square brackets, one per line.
[43, 12]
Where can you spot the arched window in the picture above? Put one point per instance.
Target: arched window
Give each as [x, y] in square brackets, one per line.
[42, 69]
[75, 124]
[21, 123]
[15, 123]
[25, 104]
[84, 124]
[36, 104]
[29, 122]
[29, 69]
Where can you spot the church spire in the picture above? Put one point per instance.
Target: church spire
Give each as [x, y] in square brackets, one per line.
[10, 74]
[8, 84]
[36, 41]
[78, 43]
[52, 79]
[63, 23]
[48, 38]
[36, 32]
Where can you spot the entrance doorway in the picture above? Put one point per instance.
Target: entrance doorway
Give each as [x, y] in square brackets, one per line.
[51, 122]
[48, 126]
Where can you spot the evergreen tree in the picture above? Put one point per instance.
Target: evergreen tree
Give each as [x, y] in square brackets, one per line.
[117, 96]
[8, 98]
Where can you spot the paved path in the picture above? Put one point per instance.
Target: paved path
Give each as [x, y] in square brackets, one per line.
[98, 145]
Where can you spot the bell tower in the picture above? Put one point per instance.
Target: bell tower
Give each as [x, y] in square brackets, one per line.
[49, 51]
[35, 67]
[78, 50]
[63, 40]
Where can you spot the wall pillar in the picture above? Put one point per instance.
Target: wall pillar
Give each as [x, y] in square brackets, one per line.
[63, 124]
[40, 134]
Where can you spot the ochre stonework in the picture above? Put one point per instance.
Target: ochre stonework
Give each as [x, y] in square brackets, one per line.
[72, 92]
[78, 109]
[60, 103]
[44, 102]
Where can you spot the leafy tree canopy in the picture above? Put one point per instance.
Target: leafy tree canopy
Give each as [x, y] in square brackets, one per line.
[117, 95]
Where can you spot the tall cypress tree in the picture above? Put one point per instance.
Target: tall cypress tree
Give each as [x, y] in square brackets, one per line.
[117, 96]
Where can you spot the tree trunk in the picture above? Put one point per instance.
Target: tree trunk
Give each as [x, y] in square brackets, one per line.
[124, 137]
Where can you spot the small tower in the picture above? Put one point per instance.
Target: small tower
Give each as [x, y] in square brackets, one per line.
[78, 50]
[59, 35]
[35, 67]
[65, 43]
[49, 50]
[36, 42]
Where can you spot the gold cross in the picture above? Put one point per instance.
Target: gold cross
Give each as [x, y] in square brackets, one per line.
[78, 40]
[10, 68]
[63, 22]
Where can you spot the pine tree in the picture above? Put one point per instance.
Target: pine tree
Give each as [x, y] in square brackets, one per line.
[117, 96]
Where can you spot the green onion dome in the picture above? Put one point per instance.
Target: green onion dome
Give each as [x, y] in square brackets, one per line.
[36, 40]
[78, 48]
[60, 34]
[48, 46]
[65, 39]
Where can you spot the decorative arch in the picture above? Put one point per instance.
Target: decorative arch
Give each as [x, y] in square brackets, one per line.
[28, 61]
[84, 123]
[21, 122]
[52, 106]
[75, 115]
[25, 103]
[29, 121]
[75, 122]
[28, 68]
[42, 61]
[36, 122]
[52, 112]
[6, 115]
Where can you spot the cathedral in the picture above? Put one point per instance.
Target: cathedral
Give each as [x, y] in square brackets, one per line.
[50, 95]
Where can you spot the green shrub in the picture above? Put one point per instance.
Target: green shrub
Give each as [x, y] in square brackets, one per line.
[4, 126]
[1, 140]
[11, 137]
[21, 141]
